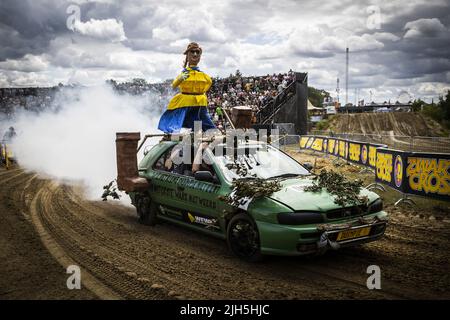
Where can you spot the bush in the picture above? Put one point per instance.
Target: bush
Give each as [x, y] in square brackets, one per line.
[322, 125]
[433, 111]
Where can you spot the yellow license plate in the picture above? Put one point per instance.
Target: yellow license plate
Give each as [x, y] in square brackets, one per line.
[354, 233]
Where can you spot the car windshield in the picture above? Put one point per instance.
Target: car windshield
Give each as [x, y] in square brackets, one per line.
[264, 162]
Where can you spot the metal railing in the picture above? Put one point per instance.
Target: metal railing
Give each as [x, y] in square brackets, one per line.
[399, 142]
[269, 110]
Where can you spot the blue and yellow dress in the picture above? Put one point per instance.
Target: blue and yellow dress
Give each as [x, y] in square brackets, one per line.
[189, 105]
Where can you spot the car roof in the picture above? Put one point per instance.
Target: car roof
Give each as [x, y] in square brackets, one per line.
[241, 144]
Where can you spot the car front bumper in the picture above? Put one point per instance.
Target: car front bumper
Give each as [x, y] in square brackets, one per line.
[277, 239]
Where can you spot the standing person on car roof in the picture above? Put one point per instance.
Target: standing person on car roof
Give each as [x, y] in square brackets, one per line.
[191, 103]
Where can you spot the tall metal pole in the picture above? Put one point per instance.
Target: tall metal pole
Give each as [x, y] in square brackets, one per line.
[346, 75]
[346, 89]
[337, 89]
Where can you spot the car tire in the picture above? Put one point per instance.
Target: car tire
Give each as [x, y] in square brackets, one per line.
[243, 238]
[146, 210]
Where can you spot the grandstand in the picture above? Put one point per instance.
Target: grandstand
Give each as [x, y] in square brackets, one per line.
[276, 98]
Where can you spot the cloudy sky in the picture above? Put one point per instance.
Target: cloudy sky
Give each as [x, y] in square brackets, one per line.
[397, 48]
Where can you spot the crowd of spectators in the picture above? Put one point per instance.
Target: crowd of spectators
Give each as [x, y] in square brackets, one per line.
[30, 99]
[158, 93]
[225, 93]
[235, 90]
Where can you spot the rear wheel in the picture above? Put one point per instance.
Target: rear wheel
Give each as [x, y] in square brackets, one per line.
[146, 210]
[243, 238]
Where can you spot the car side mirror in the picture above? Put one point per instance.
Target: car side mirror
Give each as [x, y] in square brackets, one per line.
[205, 176]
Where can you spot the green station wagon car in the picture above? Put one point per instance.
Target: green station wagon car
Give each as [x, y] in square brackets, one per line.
[291, 221]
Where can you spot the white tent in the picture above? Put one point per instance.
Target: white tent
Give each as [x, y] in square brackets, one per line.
[311, 106]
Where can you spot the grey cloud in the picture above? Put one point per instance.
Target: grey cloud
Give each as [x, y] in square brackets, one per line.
[28, 26]
[430, 28]
[384, 57]
[394, 21]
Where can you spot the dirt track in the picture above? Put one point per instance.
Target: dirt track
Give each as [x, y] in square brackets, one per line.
[42, 222]
[397, 123]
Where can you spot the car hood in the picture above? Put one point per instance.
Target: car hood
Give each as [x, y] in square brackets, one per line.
[294, 196]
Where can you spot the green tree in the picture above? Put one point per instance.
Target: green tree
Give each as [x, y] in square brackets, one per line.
[417, 105]
[444, 108]
[316, 96]
[440, 111]
[444, 105]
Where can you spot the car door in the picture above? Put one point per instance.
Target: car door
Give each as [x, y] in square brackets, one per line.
[183, 198]
[163, 186]
[201, 204]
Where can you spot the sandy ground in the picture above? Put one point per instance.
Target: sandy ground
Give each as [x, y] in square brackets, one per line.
[45, 226]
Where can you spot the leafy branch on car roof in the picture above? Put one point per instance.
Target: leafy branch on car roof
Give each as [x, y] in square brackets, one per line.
[347, 193]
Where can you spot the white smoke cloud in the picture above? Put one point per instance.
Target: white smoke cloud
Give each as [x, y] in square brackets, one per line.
[75, 140]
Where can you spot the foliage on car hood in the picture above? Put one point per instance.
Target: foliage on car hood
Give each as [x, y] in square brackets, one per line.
[293, 195]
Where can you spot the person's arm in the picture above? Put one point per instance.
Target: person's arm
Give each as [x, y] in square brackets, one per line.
[198, 157]
[178, 80]
[168, 164]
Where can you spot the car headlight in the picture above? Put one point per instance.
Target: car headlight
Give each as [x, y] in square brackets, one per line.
[296, 218]
[376, 206]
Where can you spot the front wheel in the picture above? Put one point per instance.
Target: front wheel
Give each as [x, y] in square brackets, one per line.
[146, 210]
[243, 238]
